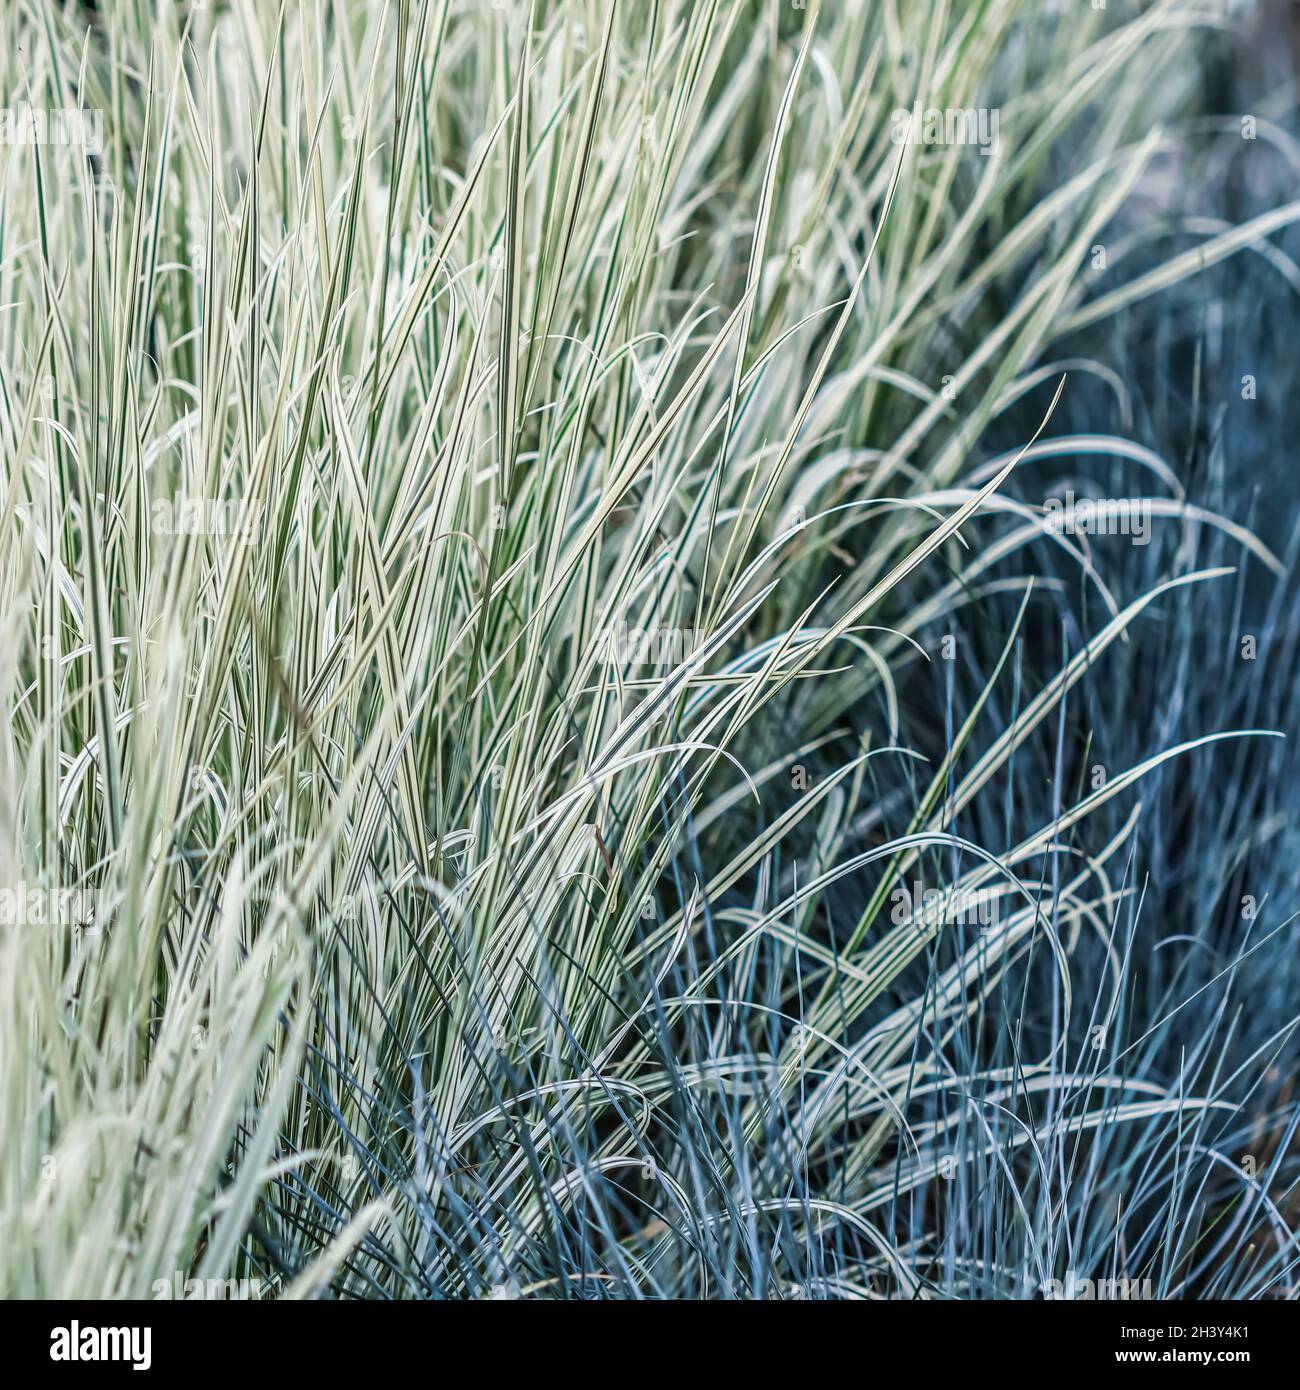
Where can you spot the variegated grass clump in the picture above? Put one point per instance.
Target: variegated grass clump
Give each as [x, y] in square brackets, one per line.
[486, 489]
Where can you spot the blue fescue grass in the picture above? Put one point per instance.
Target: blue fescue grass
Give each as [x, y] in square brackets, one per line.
[1194, 994]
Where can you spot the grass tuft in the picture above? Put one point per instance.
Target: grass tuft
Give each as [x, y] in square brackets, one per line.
[648, 651]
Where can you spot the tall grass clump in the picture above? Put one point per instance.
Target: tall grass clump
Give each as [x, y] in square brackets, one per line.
[559, 736]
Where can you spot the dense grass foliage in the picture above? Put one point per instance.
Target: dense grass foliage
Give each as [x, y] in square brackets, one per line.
[647, 650]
